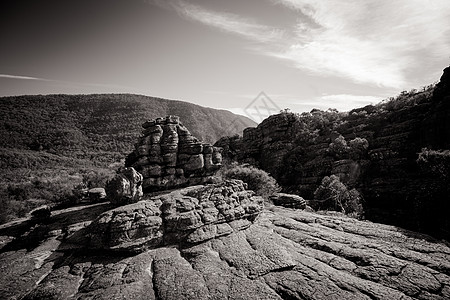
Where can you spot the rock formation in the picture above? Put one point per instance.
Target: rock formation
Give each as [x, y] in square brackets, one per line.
[96, 194]
[288, 200]
[295, 149]
[168, 156]
[284, 254]
[41, 214]
[125, 187]
[189, 215]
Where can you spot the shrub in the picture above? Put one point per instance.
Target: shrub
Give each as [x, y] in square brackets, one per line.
[334, 195]
[438, 162]
[95, 179]
[11, 208]
[257, 180]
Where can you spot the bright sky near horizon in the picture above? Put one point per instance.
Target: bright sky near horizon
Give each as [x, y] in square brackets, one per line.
[303, 54]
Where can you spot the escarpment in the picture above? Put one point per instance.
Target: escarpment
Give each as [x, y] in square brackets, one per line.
[374, 149]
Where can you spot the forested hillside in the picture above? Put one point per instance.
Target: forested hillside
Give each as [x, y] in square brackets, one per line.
[49, 143]
[103, 126]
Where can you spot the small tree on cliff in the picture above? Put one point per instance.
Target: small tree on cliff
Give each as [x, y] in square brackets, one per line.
[339, 147]
[358, 148]
[334, 195]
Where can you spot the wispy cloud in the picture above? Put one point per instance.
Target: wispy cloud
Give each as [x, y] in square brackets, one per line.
[71, 83]
[342, 102]
[228, 22]
[23, 77]
[373, 41]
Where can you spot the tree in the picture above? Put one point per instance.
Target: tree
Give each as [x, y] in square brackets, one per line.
[358, 147]
[339, 147]
[332, 194]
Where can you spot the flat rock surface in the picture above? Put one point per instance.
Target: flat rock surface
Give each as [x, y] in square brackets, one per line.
[284, 254]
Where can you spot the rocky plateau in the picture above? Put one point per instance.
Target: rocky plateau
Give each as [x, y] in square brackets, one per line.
[216, 242]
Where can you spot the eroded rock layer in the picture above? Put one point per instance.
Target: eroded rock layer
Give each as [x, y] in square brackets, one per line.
[284, 254]
[190, 215]
[168, 156]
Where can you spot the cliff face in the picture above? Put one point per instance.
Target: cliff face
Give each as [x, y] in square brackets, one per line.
[299, 150]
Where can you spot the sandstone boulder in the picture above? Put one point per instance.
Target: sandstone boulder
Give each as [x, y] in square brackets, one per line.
[125, 188]
[288, 200]
[131, 227]
[96, 194]
[190, 215]
[200, 213]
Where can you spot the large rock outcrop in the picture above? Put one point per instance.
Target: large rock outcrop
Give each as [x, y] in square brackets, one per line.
[284, 254]
[296, 150]
[168, 156]
[190, 215]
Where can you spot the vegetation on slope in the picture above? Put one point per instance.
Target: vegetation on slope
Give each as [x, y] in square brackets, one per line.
[366, 162]
[50, 144]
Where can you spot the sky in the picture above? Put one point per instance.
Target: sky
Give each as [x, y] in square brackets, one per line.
[240, 55]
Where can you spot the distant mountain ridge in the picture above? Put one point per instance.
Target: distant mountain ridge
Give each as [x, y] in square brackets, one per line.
[84, 125]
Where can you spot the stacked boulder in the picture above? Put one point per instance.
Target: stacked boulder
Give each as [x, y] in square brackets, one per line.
[168, 156]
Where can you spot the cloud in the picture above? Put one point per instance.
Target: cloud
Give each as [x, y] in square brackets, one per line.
[374, 41]
[23, 77]
[228, 22]
[343, 102]
[70, 83]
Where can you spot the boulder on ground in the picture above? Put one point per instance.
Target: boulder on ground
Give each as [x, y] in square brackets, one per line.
[186, 216]
[41, 213]
[288, 200]
[96, 194]
[126, 187]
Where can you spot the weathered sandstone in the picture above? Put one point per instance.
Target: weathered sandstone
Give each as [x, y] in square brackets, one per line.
[284, 254]
[288, 200]
[168, 156]
[125, 187]
[190, 215]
